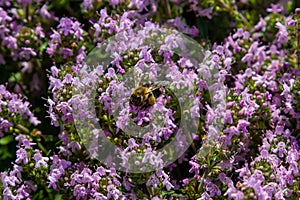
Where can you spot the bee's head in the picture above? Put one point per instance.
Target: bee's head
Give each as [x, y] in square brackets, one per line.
[136, 98]
[138, 95]
[140, 91]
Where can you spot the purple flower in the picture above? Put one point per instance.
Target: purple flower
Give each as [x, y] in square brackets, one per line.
[282, 35]
[239, 195]
[264, 153]
[54, 176]
[113, 192]
[66, 52]
[146, 54]
[140, 5]
[68, 78]
[10, 42]
[182, 27]
[45, 13]
[242, 125]
[24, 2]
[113, 3]
[16, 172]
[228, 117]
[27, 53]
[207, 12]
[293, 159]
[8, 181]
[261, 25]
[270, 188]
[87, 4]
[195, 167]
[4, 17]
[97, 28]
[290, 21]
[55, 84]
[65, 138]
[22, 192]
[232, 192]
[51, 49]
[22, 156]
[281, 149]
[239, 33]
[40, 160]
[233, 44]
[55, 37]
[98, 196]
[111, 73]
[131, 143]
[101, 170]
[23, 141]
[275, 8]
[212, 188]
[153, 158]
[103, 16]
[7, 194]
[66, 110]
[111, 26]
[153, 180]
[65, 26]
[5, 124]
[80, 192]
[127, 184]
[74, 145]
[76, 26]
[228, 62]
[284, 177]
[155, 198]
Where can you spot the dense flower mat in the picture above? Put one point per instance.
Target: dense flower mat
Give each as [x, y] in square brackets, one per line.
[247, 148]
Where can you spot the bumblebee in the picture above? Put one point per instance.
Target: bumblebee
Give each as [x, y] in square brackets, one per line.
[143, 96]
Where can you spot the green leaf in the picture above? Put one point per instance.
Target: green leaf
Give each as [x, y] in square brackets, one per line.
[6, 140]
[58, 197]
[43, 46]
[15, 77]
[5, 154]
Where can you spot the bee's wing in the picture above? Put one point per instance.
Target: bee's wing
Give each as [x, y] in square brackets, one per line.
[152, 88]
[162, 83]
[156, 88]
[137, 73]
[157, 85]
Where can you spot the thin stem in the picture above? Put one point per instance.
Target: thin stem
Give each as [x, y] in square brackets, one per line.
[149, 190]
[23, 128]
[167, 8]
[27, 13]
[211, 165]
[19, 84]
[42, 148]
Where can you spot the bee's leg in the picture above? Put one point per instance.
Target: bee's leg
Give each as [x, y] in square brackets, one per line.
[150, 101]
[143, 106]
